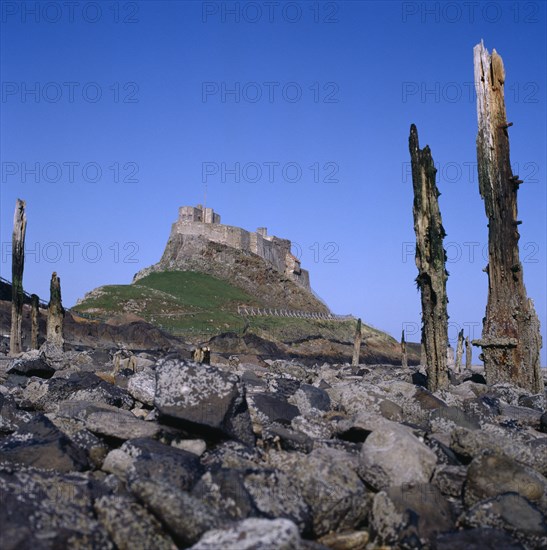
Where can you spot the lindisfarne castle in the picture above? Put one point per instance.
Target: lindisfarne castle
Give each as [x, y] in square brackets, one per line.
[205, 222]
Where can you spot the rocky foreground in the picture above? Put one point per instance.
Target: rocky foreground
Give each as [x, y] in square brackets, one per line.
[152, 451]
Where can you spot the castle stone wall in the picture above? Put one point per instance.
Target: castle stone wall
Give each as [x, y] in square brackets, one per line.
[204, 222]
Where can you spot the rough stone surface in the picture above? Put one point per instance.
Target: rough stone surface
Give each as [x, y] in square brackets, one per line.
[492, 475]
[394, 456]
[31, 367]
[202, 398]
[253, 534]
[41, 509]
[186, 517]
[242, 493]
[130, 526]
[86, 386]
[512, 513]
[120, 424]
[411, 515]
[144, 459]
[481, 538]
[40, 444]
[330, 486]
[142, 386]
[471, 444]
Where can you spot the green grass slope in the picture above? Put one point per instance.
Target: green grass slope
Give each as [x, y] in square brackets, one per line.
[196, 307]
[178, 301]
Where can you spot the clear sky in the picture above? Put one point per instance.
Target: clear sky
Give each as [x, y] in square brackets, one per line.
[289, 115]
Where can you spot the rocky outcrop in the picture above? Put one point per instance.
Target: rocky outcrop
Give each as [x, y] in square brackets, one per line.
[239, 267]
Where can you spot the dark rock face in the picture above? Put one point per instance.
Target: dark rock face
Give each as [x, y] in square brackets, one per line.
[130, 525]
[410, 515]
[49, 510]
[186, 517]
[512, 513]
[275, 408]
[144, 459]
[492, 475]
[79, 386]
[481, 538]
[267, 493]
[32, 367]
[11, 417]
[202, 398]
[543, 422]
[330, 486]
[40, 444]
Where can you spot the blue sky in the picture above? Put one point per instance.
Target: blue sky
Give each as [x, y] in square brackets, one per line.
[289, 115]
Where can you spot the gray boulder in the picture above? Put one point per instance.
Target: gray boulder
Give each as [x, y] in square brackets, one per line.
[481, 538]
[243, 493]
[130, 525]
[49, 510]
[202, 399]
[492, 475]
[253, 534]
[328, 481]
[41, 444]
[411, 516]
[186, 517]
[394, 456]
[512, 513]
[31, 367]
[142, 386]
[473, 443]
[79, 386]
[144, 459]
[120, 425]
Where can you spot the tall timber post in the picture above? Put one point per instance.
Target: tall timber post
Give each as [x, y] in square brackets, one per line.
[511, 339]
[430, 261]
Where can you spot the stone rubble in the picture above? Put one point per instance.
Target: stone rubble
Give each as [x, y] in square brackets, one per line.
[174, 454]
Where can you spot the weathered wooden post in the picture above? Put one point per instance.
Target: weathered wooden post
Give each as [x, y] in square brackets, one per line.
[430, 261]
[468, 354]
[459, 352]
[34, 321]
[55, 314]
[357, 344]
[511, 340]
[17, 266]
[404, 358]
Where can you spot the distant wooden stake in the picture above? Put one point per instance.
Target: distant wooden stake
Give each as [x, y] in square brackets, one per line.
[430, 261]
[459, 352]
[55, 314]
[357, 344]
[17, 266]
[404, 358]
[468, 354]
[34, 321]
[511, 338]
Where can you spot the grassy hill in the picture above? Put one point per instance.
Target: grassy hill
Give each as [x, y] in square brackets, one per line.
[179, 301]
[196, 307]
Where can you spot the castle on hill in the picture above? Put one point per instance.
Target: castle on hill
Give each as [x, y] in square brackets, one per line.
[205, 222]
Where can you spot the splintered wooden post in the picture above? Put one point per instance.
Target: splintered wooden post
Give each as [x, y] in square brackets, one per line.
[357, 344]
[55, 313]
[34, 321]
[468, 354]
[404, 358]
[511, 340]
[430, 261]
[17, 266]
[459, 352]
